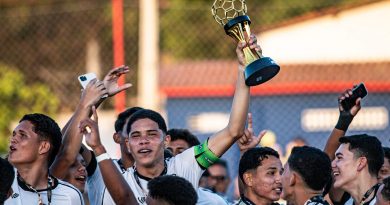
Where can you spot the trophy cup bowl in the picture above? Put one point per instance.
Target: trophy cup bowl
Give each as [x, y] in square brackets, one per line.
[231, 15]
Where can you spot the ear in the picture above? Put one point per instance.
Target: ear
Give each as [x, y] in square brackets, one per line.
[167, 140]
[293, 179]
[44, 147]
[248, 179]
[362, 163]
[116, 137]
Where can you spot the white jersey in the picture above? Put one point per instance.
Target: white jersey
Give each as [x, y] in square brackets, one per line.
[183, 165]
[350, 202]
[207, 197]
[62, 193]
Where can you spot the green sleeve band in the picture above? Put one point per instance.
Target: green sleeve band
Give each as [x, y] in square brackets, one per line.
[204, 156]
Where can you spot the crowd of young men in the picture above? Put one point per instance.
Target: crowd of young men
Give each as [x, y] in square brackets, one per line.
[159, 166]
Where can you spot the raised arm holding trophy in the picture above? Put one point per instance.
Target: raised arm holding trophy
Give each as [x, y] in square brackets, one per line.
[231, 14]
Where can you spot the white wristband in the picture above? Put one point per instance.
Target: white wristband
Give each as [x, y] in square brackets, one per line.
[102, 157]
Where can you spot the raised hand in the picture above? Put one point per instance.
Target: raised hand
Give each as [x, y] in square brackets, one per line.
[346, 116]
[252, 44]
[90, 129]
[355, 109]
[249, 140]
[111, 80]
[93, 93]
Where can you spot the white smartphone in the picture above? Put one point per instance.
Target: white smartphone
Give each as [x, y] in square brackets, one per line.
[85, 78]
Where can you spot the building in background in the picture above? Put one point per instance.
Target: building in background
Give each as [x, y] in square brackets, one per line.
[320, 54]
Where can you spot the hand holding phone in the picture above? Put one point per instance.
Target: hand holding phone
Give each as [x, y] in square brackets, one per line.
[86, 78]
[359, 91]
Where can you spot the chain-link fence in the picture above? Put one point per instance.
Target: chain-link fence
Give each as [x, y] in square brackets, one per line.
[299, 104]
[46, 45]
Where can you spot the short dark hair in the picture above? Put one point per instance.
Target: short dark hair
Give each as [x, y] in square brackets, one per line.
[313, 165]
[7, 174]
[122, 117]
[148, 114]
[47, 129]
[172, 189]
[386, 189]
[252, 158]
[183, 134]
[366, 146]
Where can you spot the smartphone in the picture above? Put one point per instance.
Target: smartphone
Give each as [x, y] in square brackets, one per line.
[85, 78]
[359, 91]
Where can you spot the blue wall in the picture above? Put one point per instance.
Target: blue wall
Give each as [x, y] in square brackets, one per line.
[281, 114]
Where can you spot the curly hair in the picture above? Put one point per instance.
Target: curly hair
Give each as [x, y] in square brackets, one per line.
[172, 189]
[47, 129]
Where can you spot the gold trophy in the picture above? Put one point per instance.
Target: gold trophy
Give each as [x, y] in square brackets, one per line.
[231, 14]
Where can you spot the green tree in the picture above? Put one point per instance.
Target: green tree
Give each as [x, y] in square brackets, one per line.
[17, 98]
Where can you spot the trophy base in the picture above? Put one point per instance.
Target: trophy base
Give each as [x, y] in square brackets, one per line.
[260, 71]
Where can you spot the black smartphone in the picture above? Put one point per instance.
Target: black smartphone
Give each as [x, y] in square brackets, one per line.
[359, 91]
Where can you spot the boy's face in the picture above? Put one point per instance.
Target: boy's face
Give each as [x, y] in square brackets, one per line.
[146, 142]
[344, 167]
[218, 178]
[77, 174]
[384, 172]
[266, 179]
[178, 146]
[25, 146]
[123, 136]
